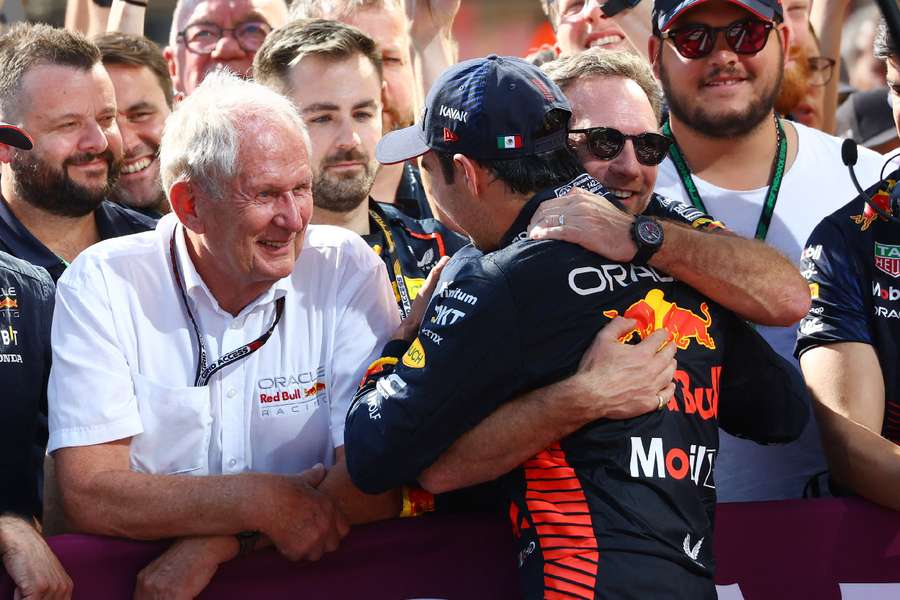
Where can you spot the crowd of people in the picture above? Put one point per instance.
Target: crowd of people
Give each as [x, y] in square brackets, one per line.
[303, 268]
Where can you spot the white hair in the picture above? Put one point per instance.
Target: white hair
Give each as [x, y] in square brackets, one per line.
[202, 138]
[338, 9]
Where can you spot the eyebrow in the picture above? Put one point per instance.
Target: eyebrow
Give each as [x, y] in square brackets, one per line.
[250, 17]
[143, 104]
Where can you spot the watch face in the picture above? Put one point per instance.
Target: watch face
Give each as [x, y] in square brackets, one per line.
[650, 232]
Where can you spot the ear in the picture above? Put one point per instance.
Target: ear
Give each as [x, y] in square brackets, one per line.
[785, 41]
[653, 48]
[471, 172]
[6, 153]
[184, 204]
[169, 54]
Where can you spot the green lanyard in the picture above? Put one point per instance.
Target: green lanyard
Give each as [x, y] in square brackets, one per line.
[765, 217]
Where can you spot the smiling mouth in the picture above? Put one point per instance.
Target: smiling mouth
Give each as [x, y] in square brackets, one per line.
[724, 82]
[274, 245]
[621, 194]
[137, 166]
[606, 40]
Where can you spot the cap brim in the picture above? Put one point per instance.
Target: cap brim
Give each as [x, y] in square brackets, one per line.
[759, 9]
[13, 136]
[401, 145]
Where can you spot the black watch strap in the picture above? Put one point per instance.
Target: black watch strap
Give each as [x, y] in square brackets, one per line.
[613, 7]
[246, 542]
[647, 234]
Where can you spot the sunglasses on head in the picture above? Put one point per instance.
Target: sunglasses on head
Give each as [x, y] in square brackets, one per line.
[747, 36]
[606, 143]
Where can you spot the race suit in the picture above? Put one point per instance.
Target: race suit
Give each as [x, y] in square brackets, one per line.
[618, 509]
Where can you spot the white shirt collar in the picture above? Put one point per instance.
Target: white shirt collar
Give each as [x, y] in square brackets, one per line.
[195, 288]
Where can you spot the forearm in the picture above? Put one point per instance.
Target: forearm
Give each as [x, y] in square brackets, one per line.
[512, 434]
[745, 276]
[861, 459]
[10, 524]
[126, 17]
[141, 506]
[432, 57]
[356, 505]
[827, 17]
[97, 19]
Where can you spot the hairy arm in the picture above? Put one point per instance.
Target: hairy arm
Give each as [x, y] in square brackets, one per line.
[745, 276]
[614, 381]
[847, 387]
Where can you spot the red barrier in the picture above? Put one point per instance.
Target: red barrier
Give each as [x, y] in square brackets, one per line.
[793, 550]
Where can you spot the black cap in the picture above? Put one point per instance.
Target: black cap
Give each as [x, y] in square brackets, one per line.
[490, 108]
[666, 11]
[867, 118]
[15, 137]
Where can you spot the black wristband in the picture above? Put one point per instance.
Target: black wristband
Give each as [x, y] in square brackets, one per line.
[103, 3]
[136, 3]
[246, 541]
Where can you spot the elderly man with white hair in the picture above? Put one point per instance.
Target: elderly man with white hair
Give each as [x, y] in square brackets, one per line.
[225, 344]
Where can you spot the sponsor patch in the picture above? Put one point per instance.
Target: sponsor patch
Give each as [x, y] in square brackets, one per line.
[654, 312]
[585, 281]
[889, 293]
[887, 259]
[446, 315]
[454, 114]
[449, 136]
[415, 356]
[9, 336]
[814, 291]
[391, 385]
[654, 461]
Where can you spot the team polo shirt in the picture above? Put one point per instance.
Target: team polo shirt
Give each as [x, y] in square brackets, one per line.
[26, 309]
[125, 355]
[112, 221]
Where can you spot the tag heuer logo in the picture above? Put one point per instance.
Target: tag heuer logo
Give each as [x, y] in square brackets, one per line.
[887, 259]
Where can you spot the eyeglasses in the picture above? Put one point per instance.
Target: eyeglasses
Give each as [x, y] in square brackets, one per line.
[606, 143]
[202, 38]
[747, 36]
[821, 70]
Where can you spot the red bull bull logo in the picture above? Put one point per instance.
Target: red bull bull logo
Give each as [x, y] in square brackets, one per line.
[314, 390]
[882, 200]
[8, 304]
[654, 312]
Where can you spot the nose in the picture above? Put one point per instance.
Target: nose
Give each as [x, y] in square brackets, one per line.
[130, 139]
[290, 215]
[227, 48]
[592, 13]
[626, 166]
[93, 139]
[347, 136]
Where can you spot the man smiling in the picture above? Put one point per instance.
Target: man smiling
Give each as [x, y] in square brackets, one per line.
[721, 64]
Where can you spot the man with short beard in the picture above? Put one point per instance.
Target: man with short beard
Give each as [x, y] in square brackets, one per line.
[333, 73]
[54, 204]
[721, 64]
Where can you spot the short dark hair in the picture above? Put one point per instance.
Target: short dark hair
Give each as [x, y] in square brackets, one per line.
[136, 51]
[885, 46]
[287, 45]
[525, 175]
[28, 45]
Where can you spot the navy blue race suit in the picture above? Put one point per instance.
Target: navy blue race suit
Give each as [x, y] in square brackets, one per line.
[852, 262]
[618, 509]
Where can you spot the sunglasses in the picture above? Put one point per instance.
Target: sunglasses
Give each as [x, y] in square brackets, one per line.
[747, 36]
[606, 143]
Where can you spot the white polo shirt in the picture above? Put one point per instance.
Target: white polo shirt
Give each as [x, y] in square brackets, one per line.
[125, 356]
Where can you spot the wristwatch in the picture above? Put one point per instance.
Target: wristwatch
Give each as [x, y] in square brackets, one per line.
[647, 234]
[614, 7]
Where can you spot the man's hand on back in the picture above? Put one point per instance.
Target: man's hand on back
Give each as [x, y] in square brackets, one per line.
[622, 381]
[30, 562]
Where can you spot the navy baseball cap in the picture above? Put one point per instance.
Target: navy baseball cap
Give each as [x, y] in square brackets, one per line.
[491, 108]
[666, 11]
[15, 137]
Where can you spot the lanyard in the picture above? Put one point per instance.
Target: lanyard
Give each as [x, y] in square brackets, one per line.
[768, 209]
[402, 290]
[205, 371]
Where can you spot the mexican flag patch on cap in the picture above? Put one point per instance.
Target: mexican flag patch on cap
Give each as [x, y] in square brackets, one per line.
[508, 142]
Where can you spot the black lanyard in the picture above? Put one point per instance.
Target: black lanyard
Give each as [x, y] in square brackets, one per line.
[204, 371]
[402, 290]
[768, 209]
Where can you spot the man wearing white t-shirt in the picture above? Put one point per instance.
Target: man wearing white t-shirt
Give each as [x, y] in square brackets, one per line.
[720, 63]
[226, 343]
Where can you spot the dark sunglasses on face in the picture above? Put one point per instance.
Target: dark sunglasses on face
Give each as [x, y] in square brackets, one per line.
[747, 36]
[606, 143]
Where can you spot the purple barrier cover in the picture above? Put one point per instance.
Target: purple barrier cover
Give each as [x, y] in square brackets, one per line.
[771, 550]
